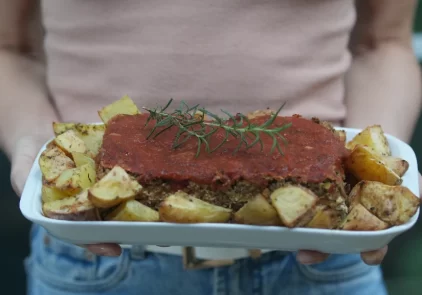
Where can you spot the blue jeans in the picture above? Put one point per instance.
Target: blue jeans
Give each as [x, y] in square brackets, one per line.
[57, 268]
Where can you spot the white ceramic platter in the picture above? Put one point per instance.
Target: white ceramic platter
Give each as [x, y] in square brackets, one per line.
[219, 235]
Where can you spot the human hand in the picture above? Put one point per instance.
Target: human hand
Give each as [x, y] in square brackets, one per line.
[23, 155]
[371, 258]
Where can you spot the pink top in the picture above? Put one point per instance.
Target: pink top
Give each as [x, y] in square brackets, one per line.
[236, 55]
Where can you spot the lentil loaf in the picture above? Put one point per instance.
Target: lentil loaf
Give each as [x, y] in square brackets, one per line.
[313, 157]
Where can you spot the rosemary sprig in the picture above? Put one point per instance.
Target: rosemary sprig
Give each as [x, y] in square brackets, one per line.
[191, 123]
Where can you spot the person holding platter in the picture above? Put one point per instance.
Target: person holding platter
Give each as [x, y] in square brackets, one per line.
[347, 62]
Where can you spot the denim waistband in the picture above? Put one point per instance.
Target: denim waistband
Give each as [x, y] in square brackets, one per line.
[141, 251]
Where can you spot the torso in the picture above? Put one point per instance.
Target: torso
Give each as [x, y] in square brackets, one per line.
[236, 55]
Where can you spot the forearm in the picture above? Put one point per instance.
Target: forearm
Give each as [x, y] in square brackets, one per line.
[25, 109]
[383, 87]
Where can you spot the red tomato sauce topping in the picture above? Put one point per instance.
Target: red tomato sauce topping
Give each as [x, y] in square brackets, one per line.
[313, 154]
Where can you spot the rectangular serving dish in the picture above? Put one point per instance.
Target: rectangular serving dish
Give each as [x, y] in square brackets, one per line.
[220, 235]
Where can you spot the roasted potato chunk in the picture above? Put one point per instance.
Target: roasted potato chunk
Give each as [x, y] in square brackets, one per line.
[115, 187]
[91, 134]
[294, 204]
[373, 137]
[60, 128]
[364, 164]
[77, 208]
[360, 219]
[399, 166]
[182, 208]
[123, 106]
[51, 144]
[80, 128]
[54, 162]
[81, 159]
[325, 217]
[133, 210]
[76, 179]
[50, 193]
[69, 142]
[257, 211]
[392, 204]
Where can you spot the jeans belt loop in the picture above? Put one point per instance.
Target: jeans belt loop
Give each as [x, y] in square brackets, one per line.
[137, 252]
[190, 262]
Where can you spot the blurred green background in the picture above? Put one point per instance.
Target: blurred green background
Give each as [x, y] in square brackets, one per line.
[402, 267]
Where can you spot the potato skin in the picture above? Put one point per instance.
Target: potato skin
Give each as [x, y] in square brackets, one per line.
[182, 208]
[77, 208]
[50, 193]
[123, 106]
[373, 137]
[360, 219]
[69, 142]
[87, 215]
[114, 188]
[257, 211]
[364, 164]
[392, 204]
[397, 165]
[91, 134]
[76, 179]
[133, 210]
[294, 204]
[325, 218]
[53, 162]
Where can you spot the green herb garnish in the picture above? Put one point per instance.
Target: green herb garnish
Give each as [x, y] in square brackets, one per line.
[191, 123]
